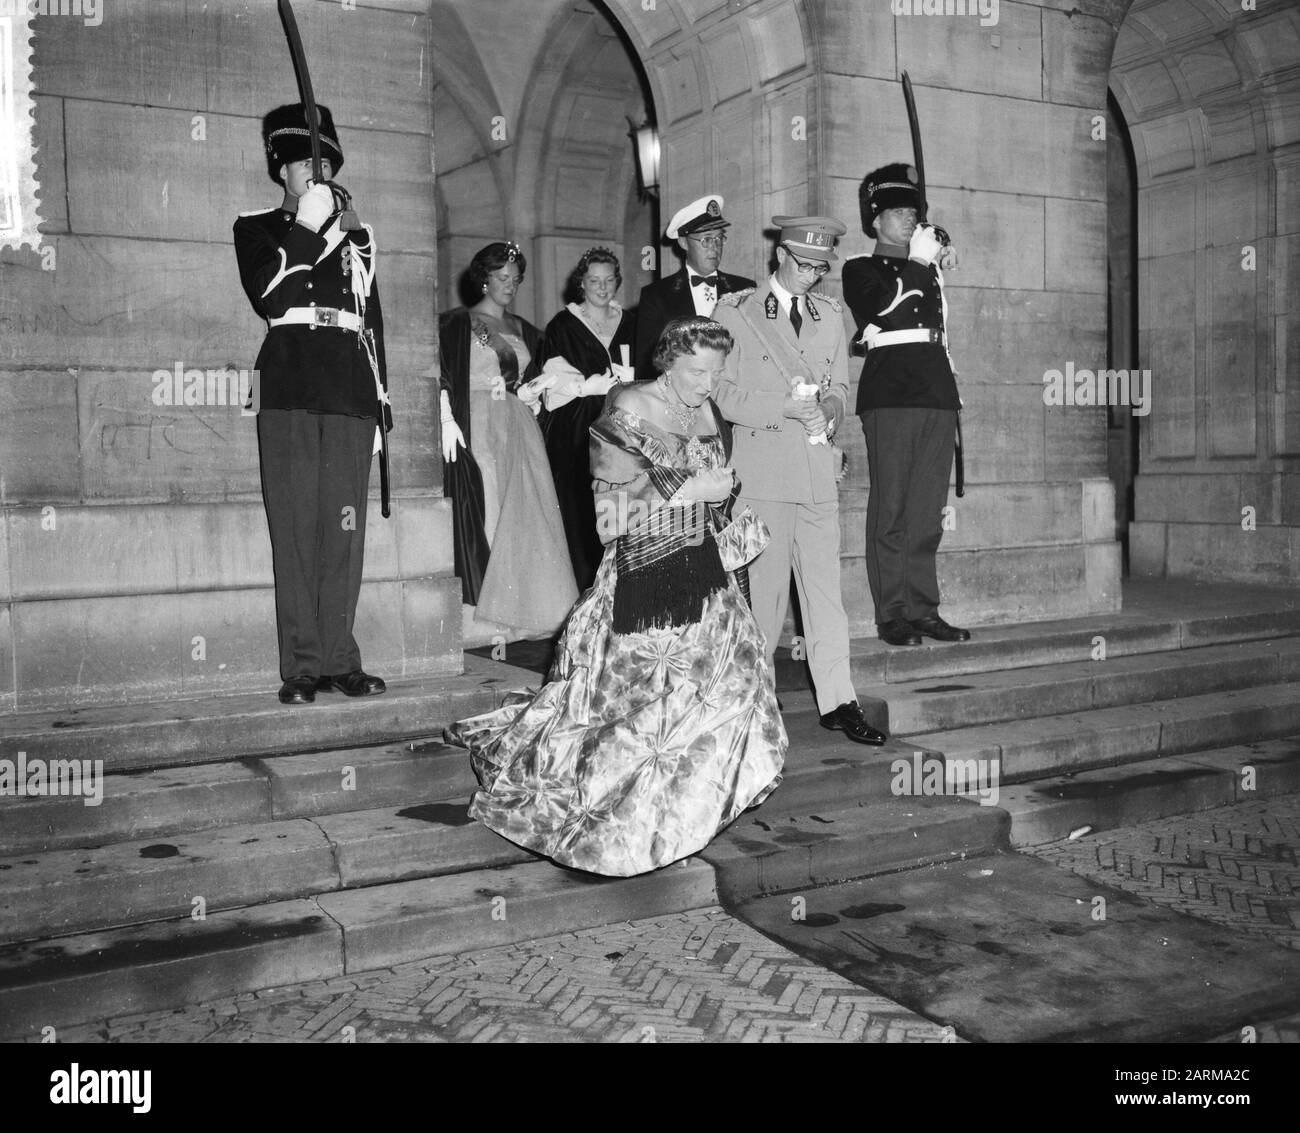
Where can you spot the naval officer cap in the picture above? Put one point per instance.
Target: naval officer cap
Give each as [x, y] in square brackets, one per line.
[704, 215]
[809, 237]
[287, 138]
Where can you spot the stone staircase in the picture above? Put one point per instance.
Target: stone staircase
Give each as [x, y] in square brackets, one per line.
[218, 861]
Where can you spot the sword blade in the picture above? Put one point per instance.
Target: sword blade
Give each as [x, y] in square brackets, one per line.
[918, 156]
[304, 84]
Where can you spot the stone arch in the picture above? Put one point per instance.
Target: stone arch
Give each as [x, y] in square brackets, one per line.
[1212, 100]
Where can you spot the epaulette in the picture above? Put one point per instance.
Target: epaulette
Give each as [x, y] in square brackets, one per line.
[859, 256]
[734, 298]
[833, 303]
[255, 212]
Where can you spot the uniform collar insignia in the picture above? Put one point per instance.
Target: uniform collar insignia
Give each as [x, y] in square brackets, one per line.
[812, 308]
[770, 306]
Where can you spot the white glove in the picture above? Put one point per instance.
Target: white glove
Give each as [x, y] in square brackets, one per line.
[315, 207]
[531, 395]
[452, 437]
[599, 384]
[623, 374]
[804, 391]
[924, 245]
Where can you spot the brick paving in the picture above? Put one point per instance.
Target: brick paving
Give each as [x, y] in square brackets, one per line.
[692, 977]
[1237, 866]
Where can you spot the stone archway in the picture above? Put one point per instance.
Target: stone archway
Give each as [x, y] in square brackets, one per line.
[1212, 97]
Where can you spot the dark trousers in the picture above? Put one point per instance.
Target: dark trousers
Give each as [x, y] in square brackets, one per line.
[909, 455]
[315, 476]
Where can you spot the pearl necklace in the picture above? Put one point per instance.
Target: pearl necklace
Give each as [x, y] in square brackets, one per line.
[682, 415]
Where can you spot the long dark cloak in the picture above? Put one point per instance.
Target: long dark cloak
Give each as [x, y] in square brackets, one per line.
[567, 433]
[462, 482]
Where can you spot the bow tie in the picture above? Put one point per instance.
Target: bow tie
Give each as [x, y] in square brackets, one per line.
[711, 280]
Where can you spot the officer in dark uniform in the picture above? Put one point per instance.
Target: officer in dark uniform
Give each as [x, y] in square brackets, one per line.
[907, 399]
[321, 382]
[700, 232]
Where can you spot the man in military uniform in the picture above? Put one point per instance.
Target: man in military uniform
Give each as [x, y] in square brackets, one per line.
[908, 402]
[786, 389]
[322, 380]
[700, 232]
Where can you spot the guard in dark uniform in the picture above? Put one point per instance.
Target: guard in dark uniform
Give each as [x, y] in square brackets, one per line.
[907, 399]
[321, 382]
[701, 232]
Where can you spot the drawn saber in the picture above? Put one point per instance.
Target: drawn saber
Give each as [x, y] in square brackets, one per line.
[918, 160]
[348, 220]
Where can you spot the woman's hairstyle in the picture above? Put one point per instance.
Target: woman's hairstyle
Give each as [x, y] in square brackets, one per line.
[495, 256]
[598, 255]
[685, 336]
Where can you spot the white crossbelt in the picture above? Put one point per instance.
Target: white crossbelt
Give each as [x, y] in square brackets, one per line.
[897, 337]
[319, 317]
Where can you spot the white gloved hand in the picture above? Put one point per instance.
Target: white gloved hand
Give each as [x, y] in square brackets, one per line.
[452, 437]
[315, 207]
[599, 384]
[924, 245]
[623, 374]
[807, 391]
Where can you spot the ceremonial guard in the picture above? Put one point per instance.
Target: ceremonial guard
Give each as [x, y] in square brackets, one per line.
[785, 388]
[321, 384]
[908, 402]
[700, 232]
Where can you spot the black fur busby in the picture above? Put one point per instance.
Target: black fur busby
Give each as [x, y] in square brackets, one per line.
[889, 187]
[287, 139]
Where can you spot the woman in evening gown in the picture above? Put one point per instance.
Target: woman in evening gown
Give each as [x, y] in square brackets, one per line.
[658, 723]
[510, 551]
[587, 349]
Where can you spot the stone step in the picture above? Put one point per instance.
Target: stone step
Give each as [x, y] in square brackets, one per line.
[157, 804]
[1050, 809]
[761, 853]
[124, 883]
[1035, 644]
[1053, 745]
[139, 737]
[152, 967]
[1015, 694]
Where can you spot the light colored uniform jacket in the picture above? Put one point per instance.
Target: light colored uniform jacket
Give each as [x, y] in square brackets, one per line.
[772, 455]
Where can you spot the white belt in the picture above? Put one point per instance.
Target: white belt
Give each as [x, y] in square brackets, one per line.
[319, 317]
[897, 337]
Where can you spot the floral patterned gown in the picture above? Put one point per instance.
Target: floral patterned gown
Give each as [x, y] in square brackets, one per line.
[641, 746]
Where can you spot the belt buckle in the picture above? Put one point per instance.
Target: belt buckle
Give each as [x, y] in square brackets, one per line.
[936, 335]
[325, 317]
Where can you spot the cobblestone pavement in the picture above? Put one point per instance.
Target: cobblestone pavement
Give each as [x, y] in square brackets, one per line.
[1237, 866]
[691, 977]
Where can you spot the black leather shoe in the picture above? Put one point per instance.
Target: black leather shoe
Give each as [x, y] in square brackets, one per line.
[355, 683]
[898, 631]
[934, 626]
[298, 690]
[849, 719]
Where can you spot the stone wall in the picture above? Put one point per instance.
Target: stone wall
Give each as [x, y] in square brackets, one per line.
[1212, 96]
[135, 561]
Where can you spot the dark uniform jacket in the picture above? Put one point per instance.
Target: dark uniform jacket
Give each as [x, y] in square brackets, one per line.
[665, 300]
[283, 264]
[896, 293]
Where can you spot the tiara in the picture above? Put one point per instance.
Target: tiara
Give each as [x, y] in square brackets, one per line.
[596, 248]
[512, 251]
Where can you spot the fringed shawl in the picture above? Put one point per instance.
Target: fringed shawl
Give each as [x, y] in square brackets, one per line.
[667, 558]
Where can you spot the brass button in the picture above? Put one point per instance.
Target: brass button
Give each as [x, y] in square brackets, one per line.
[309, 285]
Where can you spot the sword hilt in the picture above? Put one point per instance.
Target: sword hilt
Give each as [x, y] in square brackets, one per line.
[348, 219]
